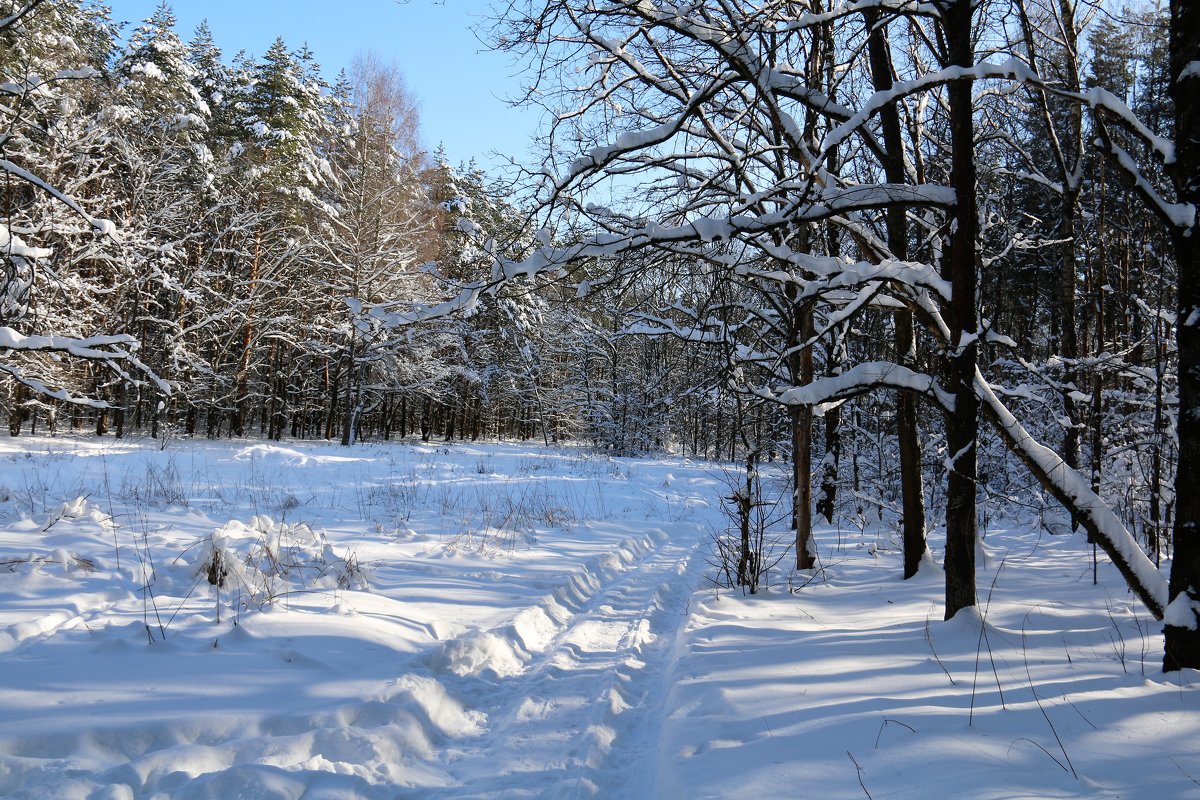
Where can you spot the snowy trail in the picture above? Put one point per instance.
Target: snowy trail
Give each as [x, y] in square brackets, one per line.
[583, 718]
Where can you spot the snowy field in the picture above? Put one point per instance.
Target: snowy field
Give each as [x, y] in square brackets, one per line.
[511, 621]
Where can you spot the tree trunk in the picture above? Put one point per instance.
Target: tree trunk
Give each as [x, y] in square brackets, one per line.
[962, 425]
[800, 366]
[16, 415]
[744, 500]
[1068, 346]
[351, 373]
[911, 491]
[119, 411]
[827, 504]
[426, 419]
[1182, 631]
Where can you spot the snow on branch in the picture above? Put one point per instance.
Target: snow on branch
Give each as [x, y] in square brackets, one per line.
[1013, 68]
[464, 302]
[104, 226]
[649, 325]
[837, 11]
[859, 379]
[1178, 215]
[1075, 493]
[829, 273]
[113, 350]
[83, 348]
[19, 14]
[42, 389]
[1097, 99]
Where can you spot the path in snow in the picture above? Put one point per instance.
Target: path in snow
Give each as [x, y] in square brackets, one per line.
[519, 613]
[582, 719]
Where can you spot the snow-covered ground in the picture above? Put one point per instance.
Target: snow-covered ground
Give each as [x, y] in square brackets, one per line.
[495, 620]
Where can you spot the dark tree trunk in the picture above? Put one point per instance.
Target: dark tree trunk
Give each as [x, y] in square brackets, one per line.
[1067, 279]
[101, 414]
[17, 414]
[800, 366]
[451, 417]
[827, 504]
[1068, 346]
[962, 426]
[744, 500]
[911, 491]
[351, 373]
[1182, 630]
[119, 412]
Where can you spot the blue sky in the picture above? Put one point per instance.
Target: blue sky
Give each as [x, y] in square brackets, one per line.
[457, 83]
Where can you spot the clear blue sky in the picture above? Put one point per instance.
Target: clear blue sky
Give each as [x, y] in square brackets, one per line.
[458, 85]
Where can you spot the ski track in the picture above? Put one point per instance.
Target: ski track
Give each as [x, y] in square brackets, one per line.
[582, 718]
[560, 695]
[564, 700]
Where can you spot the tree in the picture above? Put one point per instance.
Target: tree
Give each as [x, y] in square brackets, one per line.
[379, 232]
[905, 337]
[35, 208]
[706, 108]
[1182, 629]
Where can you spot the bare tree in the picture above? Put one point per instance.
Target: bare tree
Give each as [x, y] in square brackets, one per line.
[1183, 616]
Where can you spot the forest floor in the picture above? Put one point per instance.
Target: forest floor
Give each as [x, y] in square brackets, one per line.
[498, 620]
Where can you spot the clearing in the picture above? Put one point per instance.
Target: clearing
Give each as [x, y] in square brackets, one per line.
[502, 620]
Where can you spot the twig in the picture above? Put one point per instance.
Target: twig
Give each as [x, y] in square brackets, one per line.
[1184, 771]
[983, 638]
[1039, 747]
[1071, 703]
[1038, 700]
[860, 775]
[887, 722]
[929, 641]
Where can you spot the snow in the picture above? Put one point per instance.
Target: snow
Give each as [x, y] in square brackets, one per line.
[13, 245]
[859, 379]
[502, 620]
[1183, 612]
[85, 348]
[83, 73]
[148, 70]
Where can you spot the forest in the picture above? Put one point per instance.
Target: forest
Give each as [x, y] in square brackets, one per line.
[819, 407]
[935, 257]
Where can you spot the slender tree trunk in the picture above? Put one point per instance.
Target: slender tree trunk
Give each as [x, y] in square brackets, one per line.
[242, 404]
[1182, 631]
[800, 367]
[119, 411]
[101, 414]
[1068, 345]
[744, 501]
[1071, 148]
[16, 414]
[962, 426]
[351, 375]
[911, 491]
[827, 503]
